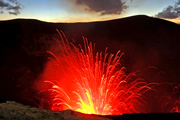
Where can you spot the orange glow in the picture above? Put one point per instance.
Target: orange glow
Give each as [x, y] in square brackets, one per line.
[92, 18]
[174, 20]
[91, 83]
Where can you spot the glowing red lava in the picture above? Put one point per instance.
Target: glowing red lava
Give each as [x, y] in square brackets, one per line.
[92, 83]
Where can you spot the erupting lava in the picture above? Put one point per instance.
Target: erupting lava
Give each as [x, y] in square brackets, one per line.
[92, 83]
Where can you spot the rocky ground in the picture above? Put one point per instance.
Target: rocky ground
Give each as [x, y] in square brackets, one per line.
[16, 111]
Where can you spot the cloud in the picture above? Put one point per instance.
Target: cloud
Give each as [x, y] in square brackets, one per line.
[3, 4]
[14, 13]
[12, 6]
[103, 6]
[171, 12]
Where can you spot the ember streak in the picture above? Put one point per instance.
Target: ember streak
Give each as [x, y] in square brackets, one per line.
[83, 80]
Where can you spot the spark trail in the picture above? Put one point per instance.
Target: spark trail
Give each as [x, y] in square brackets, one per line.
[92, 83]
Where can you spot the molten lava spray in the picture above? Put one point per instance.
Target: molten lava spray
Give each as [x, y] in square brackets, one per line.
[79, 79]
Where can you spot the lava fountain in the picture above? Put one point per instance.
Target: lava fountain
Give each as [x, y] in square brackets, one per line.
[80, 79]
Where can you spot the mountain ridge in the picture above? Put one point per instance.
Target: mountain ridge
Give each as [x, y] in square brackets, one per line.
[117, 19]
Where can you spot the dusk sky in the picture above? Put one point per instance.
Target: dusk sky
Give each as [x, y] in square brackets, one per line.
[88, 10]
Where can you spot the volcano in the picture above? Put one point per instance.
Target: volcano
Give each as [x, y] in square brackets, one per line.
[151, 45]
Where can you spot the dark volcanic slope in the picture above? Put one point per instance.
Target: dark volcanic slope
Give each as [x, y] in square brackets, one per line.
[145, 41]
